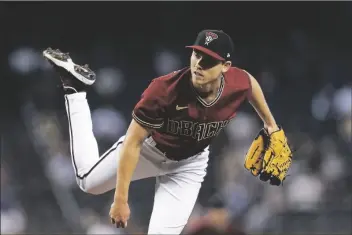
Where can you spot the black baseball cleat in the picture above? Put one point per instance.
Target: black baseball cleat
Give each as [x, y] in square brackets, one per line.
[74, 77]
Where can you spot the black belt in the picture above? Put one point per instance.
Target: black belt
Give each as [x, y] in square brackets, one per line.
[174, 157]
[169, 155]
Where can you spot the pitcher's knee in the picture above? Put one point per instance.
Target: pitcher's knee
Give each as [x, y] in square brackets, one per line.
[88, 188]
[92, 190]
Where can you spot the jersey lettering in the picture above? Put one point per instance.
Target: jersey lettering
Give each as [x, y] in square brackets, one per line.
[173, 127]
[211, 129]
[186, 128]
[198, 131]
[221, 126]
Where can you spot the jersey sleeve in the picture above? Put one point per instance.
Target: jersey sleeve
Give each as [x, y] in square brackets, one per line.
[249, 90]
[150, 109]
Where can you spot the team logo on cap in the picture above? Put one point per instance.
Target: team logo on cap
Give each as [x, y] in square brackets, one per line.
[209, 37]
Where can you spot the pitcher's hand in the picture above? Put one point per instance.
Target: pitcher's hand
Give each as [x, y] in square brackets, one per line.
[119, 214]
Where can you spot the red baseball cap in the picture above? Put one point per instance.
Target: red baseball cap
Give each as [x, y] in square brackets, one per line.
[215, 43]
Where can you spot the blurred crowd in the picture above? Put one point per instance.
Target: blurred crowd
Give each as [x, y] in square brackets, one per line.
[306, 80]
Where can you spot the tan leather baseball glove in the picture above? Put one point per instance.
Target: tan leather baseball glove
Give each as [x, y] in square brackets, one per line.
[269, 156]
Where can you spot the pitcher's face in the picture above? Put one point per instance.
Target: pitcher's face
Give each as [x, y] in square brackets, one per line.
[206, 69]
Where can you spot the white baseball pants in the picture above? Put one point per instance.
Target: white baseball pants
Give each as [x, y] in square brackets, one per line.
[178, 183]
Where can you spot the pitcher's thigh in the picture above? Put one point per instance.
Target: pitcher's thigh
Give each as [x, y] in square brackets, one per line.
[102, 176]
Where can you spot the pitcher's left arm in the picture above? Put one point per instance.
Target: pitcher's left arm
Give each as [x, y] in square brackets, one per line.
[258, 102]
[269, 154]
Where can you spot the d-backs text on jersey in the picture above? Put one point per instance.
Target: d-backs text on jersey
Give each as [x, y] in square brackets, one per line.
[198, 131]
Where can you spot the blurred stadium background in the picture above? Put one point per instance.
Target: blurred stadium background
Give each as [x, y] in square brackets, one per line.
[300, 52]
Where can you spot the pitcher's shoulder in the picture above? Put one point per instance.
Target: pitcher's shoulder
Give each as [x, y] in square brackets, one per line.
[168, 86]
[238, 77]
[170, 77]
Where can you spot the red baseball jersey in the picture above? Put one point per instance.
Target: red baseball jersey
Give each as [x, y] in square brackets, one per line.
[182, 123]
